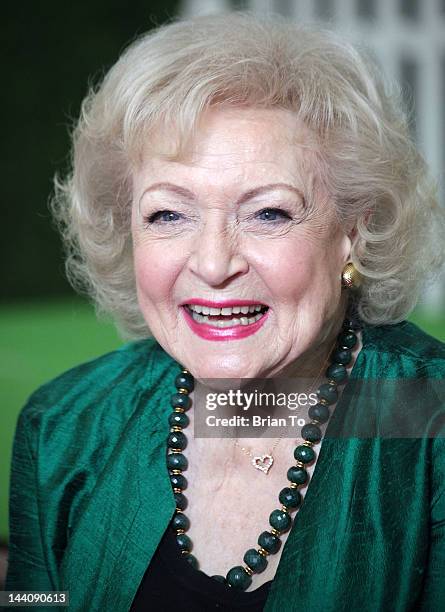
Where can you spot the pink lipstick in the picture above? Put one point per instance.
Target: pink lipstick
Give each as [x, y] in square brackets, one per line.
[224, 319]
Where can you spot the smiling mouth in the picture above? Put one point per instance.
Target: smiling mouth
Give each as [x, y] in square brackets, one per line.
[230, 316]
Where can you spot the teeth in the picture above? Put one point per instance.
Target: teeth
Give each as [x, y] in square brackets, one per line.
[221, 323]
[226, 311]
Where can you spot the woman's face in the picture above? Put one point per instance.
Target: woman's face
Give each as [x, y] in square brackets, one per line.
[242, 223]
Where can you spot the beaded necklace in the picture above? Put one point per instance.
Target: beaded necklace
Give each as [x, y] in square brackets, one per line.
[280, 520]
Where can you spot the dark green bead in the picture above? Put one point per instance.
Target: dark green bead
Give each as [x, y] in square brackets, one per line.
[270, 542]
[255, 561]
[177, 440]
[180, 521]
[219, 578]
[291, 498]
[238, 578]
[192, 560]
[342, 356]
[328, 392]
[180, 400]
[185, 381]
[178, 418]
[305, 454]
[319, 413]
[181, 501]
[184, 542]
[347, 340]
[280, 520]
[178, 481]
[337, 372]
[298, 475]
[177, 461]
[310, 432]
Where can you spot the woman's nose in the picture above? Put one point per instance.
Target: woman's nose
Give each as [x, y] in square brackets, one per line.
[216, 256]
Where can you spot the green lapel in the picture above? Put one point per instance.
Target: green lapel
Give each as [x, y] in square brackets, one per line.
[128, 511]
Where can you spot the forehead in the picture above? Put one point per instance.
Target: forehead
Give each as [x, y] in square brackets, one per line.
[231, 144]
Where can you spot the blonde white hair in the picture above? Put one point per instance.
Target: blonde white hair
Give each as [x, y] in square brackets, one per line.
[169, 77]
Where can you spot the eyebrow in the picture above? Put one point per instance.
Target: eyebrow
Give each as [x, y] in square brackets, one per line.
[182, 191]
[248, 195]
[253, 193]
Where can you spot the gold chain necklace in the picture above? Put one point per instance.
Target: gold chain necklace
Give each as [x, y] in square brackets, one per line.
[265, 461]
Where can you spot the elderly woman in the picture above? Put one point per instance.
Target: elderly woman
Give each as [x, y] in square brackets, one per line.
[246, 191]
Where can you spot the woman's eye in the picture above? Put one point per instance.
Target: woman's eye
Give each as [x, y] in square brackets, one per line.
[273, 214]
[163, 216]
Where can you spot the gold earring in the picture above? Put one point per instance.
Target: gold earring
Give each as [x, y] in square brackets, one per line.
[351, 277]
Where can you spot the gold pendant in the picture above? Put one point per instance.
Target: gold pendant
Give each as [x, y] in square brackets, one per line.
[263, 463]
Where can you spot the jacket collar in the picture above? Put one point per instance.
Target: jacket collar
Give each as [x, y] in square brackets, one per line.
[130, 506]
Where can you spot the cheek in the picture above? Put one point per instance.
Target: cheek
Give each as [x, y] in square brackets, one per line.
[299, 267]
[288, 268]
[154, 273]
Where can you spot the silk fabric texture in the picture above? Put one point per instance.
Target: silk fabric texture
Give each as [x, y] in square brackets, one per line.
[91, 498]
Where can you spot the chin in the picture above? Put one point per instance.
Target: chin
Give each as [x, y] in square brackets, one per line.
[224, 370]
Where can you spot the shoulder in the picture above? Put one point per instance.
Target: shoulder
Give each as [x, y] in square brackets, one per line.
[401, 373]
[108, 383]
[405, 346]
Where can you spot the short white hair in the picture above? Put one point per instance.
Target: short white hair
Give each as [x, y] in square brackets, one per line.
[371, 168]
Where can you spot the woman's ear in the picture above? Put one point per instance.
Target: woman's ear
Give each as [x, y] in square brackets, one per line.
[346, 247]
[353, 234]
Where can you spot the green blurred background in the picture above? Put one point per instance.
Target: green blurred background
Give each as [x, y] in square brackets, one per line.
[53, 50]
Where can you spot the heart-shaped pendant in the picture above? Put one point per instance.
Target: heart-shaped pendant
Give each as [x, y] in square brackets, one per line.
[263, 463]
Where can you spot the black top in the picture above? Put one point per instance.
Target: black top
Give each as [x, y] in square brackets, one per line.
[171, 583]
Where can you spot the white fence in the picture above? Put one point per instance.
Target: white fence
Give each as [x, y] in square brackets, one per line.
[408, 38]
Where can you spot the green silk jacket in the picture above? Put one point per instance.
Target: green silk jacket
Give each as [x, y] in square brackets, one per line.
[91, 498]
